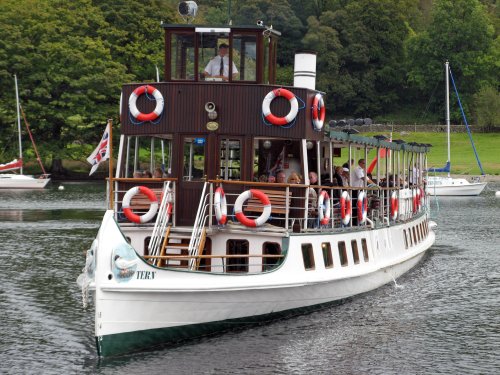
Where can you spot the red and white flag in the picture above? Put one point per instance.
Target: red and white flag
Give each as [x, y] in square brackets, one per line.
[101, 152]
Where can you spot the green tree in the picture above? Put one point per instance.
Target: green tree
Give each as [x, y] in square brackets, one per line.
[279, 15]
[487, 108]
[361, 65]
[460, 31]
[71, 59]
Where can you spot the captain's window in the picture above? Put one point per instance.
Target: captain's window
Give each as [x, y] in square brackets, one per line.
[244, 57]
[194, 159]
[210, 42]
[230, 159]
[182, 57]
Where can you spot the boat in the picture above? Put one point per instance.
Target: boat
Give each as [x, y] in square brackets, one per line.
[21, 181]
[451, 186]
[210, 244]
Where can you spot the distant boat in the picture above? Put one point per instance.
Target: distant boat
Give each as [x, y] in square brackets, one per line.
[21, 181]
[447, 185]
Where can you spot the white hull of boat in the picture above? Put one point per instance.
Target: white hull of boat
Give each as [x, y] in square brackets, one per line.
[156, 299]
[447, 186]
[16, 181]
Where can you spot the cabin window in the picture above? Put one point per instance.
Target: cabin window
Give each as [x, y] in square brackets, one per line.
[355, 252]
[308, 256]
[410, 237]
[237, 264]
[272, 156]
[194, 159]
[244, 57]
[182, 57]
[270, 248]
[342, 253]
[148, 154]
[208, 48]
[415, 239]
[364, 246]
[230, 159]
[327, 254]
[405, 238]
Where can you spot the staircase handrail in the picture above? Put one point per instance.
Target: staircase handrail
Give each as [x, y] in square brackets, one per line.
[198, 226]
[161, 220]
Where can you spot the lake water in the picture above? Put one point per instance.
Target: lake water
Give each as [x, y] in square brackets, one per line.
[441, 318]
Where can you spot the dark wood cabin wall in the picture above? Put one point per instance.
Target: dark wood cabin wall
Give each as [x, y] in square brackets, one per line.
[239, 108]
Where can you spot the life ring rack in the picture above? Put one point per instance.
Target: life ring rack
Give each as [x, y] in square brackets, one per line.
[318, 112]
[249, 194]
[324, 207]
[153, 208]
[148, 90]
[220, 206]
[345, 207]
[266, 107]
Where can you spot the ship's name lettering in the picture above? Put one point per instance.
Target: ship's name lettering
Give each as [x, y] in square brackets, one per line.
[145, 275]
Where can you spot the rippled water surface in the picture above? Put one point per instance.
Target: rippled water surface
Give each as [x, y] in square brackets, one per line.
[441, 318]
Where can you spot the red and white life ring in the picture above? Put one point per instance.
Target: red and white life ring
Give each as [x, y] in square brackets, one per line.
[324, 207]
[362, 207]
[266, 107]
[415, 194]
[132, 103]
[394, 205]
[318, 112]
[127, 211]
[238, 208]
[345, 208]
[220, 206]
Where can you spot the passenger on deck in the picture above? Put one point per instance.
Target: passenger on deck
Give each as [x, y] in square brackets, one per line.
[294, 178]
[271, 178]
[158, 173]
[218, 67]
[138, 174]
[147, 174]
[281, 177]
[338, 179]
[358, 177]
[312, 208]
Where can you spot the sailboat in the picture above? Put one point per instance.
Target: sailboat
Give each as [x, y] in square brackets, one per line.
[21, 181]
[447, 185]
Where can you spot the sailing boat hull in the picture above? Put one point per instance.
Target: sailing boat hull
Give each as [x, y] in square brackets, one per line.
[447, 186]
[15, 181]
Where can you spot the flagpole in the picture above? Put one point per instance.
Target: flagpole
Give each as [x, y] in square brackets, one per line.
[111, 194]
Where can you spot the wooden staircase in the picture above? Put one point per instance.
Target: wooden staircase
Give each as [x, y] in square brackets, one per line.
[176, 243]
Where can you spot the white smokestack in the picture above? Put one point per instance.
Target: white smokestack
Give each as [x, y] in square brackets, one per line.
[304, 74]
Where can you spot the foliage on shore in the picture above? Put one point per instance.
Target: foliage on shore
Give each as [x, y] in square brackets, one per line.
[375, 58]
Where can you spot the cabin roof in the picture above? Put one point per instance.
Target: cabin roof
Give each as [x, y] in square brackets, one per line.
[379, 143]
[217, 28]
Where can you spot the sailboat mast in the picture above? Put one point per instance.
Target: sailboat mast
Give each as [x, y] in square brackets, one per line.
[447, 78]
[19, 124]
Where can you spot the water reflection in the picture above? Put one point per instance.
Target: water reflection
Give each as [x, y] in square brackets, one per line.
[443, 319]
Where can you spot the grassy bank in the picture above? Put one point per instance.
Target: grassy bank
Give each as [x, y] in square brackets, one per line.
[463, 160]
[462, 154]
